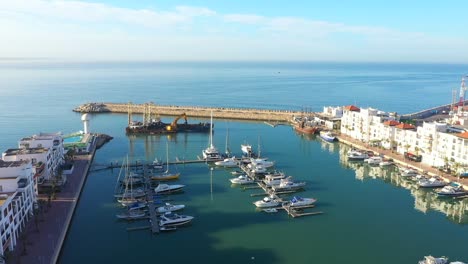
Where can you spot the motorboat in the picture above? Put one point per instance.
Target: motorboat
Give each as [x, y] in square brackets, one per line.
[385, 163]
[431, 183]
[137, 205]
[374, 160]
[433, 260]
[327, 136]
[211, 153]
[129, 201]
[132, 214]
[300, 201]
[287, 184]
[260, 161]
[156, 165]
[168, 207]
[409, 173]
[166, 188]
[259, 169]
[452, 190]
[273, 179]
[268, 201]
[355, 155]
[229, 162]
[173, 219]
[243, 179]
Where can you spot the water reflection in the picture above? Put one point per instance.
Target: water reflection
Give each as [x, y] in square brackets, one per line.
[424, 199]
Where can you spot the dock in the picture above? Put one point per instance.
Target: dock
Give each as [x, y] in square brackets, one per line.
[293, 211]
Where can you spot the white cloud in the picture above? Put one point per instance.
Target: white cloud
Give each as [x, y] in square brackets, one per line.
[75, 29]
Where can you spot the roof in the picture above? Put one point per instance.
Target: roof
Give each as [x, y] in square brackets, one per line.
[352, 108]
[391, 123]
[405, 126]
[463, 135]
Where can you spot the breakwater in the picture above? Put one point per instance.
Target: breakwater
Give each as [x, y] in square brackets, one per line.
[192, 111]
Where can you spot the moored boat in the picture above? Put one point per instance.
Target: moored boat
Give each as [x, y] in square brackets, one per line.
[173, 219]
[300, 201]
[374, 160]
[166, 188]
[433, 260]
[327, 136]
[355, 155]
[211, 153]
[431, 183]
[243, 179]
[168, 207]
[229, 162]
[452, 190]
[288, 184]
[267, 202]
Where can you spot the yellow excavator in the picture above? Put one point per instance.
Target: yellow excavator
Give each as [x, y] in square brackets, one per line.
[173, 126]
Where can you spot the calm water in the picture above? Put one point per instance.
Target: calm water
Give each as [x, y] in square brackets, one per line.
[370, 214]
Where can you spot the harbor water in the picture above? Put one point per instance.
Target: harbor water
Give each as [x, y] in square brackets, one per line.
[370, 214]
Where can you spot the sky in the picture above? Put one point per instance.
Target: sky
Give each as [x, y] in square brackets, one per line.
[240, 30]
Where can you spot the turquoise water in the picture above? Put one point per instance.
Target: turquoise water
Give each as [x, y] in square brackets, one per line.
[369, 214]
[74, 139]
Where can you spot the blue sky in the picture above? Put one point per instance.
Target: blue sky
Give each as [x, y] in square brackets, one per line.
[332, 30]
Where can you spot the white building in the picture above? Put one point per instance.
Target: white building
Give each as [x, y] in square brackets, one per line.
[44, 166]
[51, 141]
[333, 111]
[16, 200]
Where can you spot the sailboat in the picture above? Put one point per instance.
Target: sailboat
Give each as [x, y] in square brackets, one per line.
[129, 196]
[211, 153]
[166, 175]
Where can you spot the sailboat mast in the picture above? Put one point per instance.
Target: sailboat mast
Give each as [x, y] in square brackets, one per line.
[211, 130]
[167, 157]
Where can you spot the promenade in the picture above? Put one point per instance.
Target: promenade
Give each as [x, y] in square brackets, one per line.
[45, 233]
[400, 159]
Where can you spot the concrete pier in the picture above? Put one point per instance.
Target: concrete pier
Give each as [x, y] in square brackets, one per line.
[192, 111]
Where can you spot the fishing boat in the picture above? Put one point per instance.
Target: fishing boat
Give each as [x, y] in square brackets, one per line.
[327, 136]
[173, 219]
[243, 179]
[229, 162]
[305, 126]
[268, 201]
[300, 201]
[166, 188]
[168, 207]
[431, 183]
[166, 175]
[211, 153]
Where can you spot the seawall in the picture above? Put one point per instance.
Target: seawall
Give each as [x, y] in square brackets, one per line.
[192, 111]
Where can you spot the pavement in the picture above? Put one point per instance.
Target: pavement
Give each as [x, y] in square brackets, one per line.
[45, 233]
[399, 158]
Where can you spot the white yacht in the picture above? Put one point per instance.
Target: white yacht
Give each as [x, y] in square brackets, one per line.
[374, 160]
[168, 207]
[267, 202]
[173, 219]
[433, 260]
[259, 169]
[211, 153]
[261, 161]
[452, 190]
[409, 173]
[288, 184]
[229, 162]
[246, 149]
[163, 188]
[357, 155]
[300, 201]
[431, 183]
[274, 179]
[243, 179]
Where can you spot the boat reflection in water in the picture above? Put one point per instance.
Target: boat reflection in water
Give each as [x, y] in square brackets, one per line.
[424, 199]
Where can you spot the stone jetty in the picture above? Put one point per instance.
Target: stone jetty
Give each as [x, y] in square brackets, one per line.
[191, 111]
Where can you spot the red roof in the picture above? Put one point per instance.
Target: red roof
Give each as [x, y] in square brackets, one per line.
[352, 108]
[405, 126]
[391, 123]
[463, 135]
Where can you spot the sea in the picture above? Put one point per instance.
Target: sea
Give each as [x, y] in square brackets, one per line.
[370, 215]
